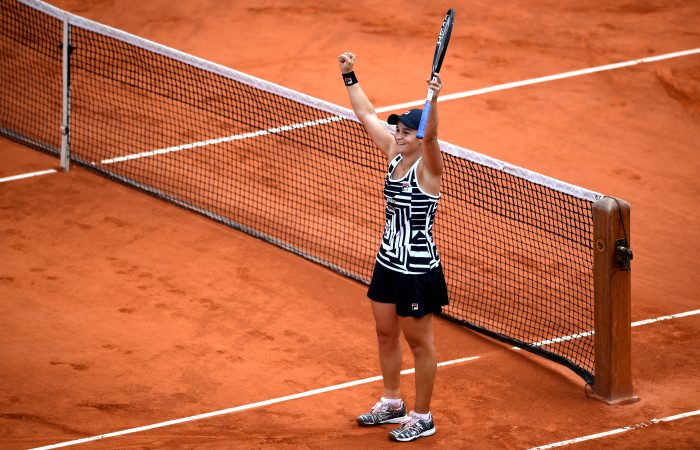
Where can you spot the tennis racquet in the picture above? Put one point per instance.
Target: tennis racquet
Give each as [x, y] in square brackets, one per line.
[440, 50]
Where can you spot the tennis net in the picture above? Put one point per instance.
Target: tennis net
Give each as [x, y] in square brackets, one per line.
[516, 246]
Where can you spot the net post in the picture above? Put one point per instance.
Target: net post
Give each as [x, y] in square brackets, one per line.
[612, 281]
[65, 124]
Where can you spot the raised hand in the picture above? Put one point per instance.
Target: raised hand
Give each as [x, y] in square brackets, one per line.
[346, 61]
[435, 84]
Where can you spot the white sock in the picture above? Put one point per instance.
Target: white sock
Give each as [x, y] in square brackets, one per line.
[425, 416]
[394, 403]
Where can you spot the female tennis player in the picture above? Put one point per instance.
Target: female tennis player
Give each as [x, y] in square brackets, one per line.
[408, 285]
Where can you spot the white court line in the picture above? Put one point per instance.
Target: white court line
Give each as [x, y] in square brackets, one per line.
[442, 98]
[243, 407]
[314, 392]
[633, 324]
[618, 430]
[220, 140]
[662, 318]
[27, 175]
[559, 76]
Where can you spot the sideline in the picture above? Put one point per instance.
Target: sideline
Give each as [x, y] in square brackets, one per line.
[633, 324]
[618, 430]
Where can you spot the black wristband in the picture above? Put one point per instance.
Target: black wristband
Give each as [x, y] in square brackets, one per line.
[349, 78]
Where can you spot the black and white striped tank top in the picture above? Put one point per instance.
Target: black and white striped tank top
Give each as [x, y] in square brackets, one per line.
[407, 243]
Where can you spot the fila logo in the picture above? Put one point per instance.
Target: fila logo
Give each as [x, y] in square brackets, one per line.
[405, 186]
[414, 306]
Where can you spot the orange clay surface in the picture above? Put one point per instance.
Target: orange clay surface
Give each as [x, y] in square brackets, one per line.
[119, 310]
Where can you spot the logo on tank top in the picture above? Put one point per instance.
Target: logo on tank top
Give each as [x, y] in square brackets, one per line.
[390, 204]
[405, 186]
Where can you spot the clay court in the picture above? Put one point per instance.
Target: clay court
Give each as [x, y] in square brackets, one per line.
[122, 311]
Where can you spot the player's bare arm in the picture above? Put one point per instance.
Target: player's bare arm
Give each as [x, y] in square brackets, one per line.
[364, 110]
[430, 169]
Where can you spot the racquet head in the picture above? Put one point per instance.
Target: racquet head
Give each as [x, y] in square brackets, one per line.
[443, 40]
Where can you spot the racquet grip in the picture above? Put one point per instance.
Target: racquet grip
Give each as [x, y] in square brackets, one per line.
[423, 120]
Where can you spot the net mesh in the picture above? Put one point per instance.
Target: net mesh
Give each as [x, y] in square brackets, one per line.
[302, 174]
[31, 76]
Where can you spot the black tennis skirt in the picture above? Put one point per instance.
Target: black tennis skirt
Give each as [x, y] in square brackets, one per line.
[413, 295]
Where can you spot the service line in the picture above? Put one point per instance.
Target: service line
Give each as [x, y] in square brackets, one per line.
[235, 137]
[455, 96]
[559, 76]
[321, 391]
[243, 407]
[27, 175]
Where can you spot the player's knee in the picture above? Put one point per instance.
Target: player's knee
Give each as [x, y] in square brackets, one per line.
[387, 337]
[421, 345]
